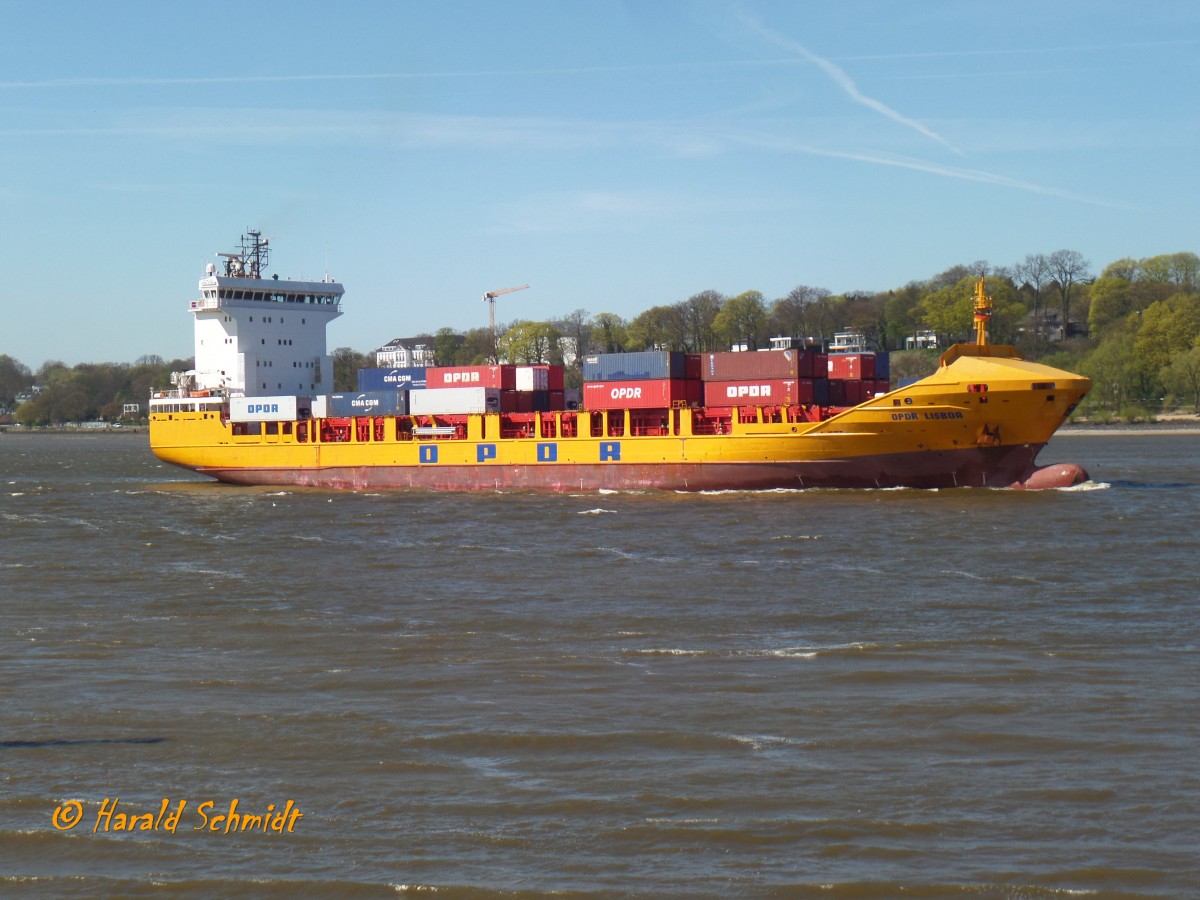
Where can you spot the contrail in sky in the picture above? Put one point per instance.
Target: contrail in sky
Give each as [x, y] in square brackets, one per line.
[846, 83]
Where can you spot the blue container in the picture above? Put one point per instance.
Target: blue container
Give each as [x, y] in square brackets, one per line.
[883, 367]
[369, 403]
[391, 379]
[821, 391]
[645, 366]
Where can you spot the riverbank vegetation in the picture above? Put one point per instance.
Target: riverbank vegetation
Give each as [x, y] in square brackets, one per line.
[1134, 329]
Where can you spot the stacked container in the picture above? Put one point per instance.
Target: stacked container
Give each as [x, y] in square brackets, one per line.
[643, 393]
[648, 365]
[762, 364]
[651, 379]
[502, 378]
[762, 378]
[855, 378]
[454, 401]
[369, 403]
[388, 379]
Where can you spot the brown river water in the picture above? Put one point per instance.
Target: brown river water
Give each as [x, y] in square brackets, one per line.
[238, 692]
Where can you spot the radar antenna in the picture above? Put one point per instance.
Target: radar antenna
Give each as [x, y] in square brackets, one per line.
[251, 260]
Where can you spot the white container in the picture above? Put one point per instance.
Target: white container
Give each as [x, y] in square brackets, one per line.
[320, 406]
[532, 378]
[455, 401]
[263, 409]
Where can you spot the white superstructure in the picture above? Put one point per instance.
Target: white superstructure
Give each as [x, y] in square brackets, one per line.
[259, 336]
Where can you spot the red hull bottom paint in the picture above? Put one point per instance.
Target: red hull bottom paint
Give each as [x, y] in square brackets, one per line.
[975, 467]
[1059, 475]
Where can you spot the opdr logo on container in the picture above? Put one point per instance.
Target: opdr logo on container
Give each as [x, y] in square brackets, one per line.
[748, 390]
[461, 377]
[264, 407]
[626, 393]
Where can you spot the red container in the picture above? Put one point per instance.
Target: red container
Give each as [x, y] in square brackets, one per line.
[871, 388]
[837, 392]
[501, 377]
[655, 394]
[767, 392]
[557, 399]
[852, 365]
[554, 377]
[760, 364]
[516, 401]
[854, 391]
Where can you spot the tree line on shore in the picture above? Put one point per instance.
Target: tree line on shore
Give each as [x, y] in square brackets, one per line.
[1134, 329]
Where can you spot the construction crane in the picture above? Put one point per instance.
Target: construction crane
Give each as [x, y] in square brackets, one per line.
[490, 299]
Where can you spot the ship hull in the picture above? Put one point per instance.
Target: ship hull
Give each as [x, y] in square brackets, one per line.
[978, 422]
[972, 467]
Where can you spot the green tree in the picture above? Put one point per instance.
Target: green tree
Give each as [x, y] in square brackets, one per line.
[743, 320]
[1112, 300]
[913, 364]
[15, 378]
[900, 309]
[1167, 328]
[610, 332]
[950, 311]
[446, 344]
[1125, 268]
[1182, 376]
[478, 348]
[530, 343]
[346, 363]
[1110, 368]
[653, 329]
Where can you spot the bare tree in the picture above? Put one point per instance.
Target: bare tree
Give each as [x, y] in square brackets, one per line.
[698, 312]
[1068, 267]
[1034, 273]
[576, 328]
[793, 315]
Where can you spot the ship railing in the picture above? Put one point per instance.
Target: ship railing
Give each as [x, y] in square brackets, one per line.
[434, 430]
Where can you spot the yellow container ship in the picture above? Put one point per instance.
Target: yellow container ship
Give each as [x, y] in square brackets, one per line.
[256, 411]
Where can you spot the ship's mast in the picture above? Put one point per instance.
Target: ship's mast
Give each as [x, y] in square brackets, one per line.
[983, 312]
[251, 260]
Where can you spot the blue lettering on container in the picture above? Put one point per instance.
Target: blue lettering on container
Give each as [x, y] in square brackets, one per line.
[428, 453]
[547, 452]
[484, 452]
[610, 450]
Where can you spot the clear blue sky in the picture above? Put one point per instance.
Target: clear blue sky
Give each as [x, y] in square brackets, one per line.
[614, 155]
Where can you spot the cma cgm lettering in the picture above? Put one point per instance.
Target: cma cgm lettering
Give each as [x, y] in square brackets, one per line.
[648, 394]
[384, 379]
